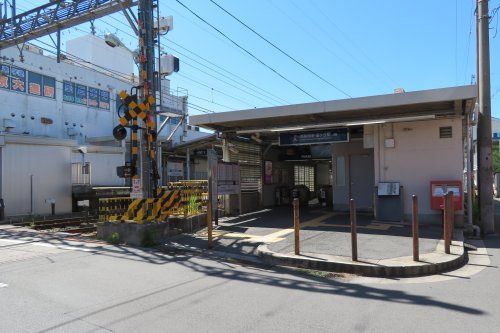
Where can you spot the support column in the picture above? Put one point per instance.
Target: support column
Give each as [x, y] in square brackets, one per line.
[485, 170]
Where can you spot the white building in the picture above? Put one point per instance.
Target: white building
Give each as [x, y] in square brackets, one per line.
[56, 116]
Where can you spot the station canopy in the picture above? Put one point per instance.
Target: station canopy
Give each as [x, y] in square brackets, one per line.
[397, 107]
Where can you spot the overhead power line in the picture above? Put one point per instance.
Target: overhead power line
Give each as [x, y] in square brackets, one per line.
[246, 51]
[281, 50]
[265, 94]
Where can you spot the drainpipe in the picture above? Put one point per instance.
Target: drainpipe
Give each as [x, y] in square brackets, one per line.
[32, 201]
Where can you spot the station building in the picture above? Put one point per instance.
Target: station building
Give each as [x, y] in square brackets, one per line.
[378, 150]
[56, 122]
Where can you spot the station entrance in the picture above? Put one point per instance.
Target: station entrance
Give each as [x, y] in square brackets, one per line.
[320, 174]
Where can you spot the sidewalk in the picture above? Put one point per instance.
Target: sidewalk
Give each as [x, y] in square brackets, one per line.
[384, 248]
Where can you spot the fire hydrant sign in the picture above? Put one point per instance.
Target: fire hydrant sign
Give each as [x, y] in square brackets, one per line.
[136, 189]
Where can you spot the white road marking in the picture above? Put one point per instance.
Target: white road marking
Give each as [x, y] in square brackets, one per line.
[3, 285]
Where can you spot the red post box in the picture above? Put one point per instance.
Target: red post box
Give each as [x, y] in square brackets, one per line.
[440, 187]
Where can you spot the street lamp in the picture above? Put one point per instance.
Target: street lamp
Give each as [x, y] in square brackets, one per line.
[113, 41]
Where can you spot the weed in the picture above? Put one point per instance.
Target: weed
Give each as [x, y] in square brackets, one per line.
[114, 238]
[148, 239]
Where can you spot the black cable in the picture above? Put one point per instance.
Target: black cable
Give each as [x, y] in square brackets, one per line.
[281, 50]
[246, 51]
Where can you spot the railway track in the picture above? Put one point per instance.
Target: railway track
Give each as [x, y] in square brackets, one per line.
[79, 224]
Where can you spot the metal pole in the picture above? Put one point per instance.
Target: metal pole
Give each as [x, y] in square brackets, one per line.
[485, 170]
[188, 164]
[296, 225]
[414, 228]
[209, 223]
[58, 45]
[469, 172]
[354, 235]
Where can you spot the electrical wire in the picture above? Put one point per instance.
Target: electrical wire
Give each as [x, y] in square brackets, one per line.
[248, 52]
[281, 50]
[262, 91]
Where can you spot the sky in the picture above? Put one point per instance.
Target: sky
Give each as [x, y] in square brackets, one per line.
[357, 48]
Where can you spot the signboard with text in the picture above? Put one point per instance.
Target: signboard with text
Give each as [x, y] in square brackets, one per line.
[136, 192]
[18, 79]
[81, 94]
[228, 178]
[314, 137]
[68, 91]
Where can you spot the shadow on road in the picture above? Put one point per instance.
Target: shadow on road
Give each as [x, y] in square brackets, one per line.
[279, 278]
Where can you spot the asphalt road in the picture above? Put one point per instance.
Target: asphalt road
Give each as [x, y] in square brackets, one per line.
[73, 287]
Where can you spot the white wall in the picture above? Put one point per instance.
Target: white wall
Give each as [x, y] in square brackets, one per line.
[418, 157]
[103, 161]
[95, 50]
[50, 166]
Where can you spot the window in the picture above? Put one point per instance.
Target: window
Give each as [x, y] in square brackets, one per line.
[304, 175]
[445, 132]
[340, 171]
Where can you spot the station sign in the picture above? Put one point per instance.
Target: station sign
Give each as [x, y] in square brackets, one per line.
[315, 137]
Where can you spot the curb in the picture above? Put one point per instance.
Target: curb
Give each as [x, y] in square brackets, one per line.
[383, 268]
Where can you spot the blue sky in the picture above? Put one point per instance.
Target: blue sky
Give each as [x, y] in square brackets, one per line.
[364, 47]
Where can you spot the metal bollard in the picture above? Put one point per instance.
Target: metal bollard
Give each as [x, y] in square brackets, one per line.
[354, 235]
[296, 225]
[414, 228]
[446, 219]
[451, 218]
[209, 224]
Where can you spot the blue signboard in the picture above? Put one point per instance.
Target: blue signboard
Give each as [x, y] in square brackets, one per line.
[68, 91]
[93, 99]
[35, 83]
[104, 99]
[4, 76]
[80, 94]
[49, 87]
[18, 79]
[314, 137]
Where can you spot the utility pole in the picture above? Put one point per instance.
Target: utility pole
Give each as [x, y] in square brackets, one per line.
[485, 170]
[148, 88]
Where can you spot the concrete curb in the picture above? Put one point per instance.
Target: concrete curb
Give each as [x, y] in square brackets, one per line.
[430, 263]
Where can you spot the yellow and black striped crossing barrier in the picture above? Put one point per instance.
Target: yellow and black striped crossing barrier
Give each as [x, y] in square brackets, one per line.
[179, 198]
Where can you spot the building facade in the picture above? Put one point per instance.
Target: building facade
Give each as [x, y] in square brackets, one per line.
[56, 122]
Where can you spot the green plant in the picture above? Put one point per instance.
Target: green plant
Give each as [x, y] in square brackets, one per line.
[114, 238]
[192, 205]
[148, 239]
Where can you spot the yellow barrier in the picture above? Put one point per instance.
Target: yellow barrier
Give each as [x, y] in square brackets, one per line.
[184, 198]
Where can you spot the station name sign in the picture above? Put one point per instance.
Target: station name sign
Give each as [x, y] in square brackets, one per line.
[333, 135]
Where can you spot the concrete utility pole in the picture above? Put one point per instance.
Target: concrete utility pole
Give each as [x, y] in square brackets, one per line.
[485, 170]
[148, 83]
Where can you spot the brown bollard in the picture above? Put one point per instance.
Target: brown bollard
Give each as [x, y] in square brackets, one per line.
[446, 221]
[296, 225]
[451, 218]
[414, 228]
[209, 224]
[354, 235]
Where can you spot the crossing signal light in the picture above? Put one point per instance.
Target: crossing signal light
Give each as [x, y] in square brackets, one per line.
[119, 132]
